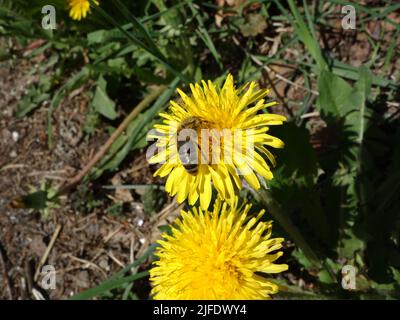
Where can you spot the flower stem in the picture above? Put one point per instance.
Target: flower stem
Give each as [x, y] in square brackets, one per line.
[283, 219]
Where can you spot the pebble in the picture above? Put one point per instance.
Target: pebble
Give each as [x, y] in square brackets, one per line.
[15, 136]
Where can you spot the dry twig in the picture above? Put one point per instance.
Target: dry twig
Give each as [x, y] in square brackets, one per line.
[47, 252]
[5, 274]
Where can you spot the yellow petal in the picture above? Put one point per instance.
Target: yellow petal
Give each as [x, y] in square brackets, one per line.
[159, 157]
[183, 189]
[205, 191]
[164, 170]
[260, 166]
[275, 268]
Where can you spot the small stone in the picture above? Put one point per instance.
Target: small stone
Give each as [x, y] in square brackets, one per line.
[82, 279]
[15, 136]
[104, 264]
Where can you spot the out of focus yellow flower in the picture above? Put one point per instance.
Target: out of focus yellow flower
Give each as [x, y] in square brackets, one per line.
[216, 255]
[79, 9]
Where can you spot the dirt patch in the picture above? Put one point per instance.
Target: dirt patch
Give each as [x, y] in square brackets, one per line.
[93, 243]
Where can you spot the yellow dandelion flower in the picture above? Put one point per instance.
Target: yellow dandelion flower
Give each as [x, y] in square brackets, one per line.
[233, 119]
[79, 9]
[216, 255]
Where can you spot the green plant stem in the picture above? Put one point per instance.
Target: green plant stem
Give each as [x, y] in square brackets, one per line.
[279, 215]
[109, 285]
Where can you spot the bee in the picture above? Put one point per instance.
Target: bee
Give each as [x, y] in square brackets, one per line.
[189, 150]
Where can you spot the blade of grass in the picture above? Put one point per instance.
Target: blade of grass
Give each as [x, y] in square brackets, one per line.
[310, 21]
[351, 73]
[116, 281]
[203, 34]
[107, 286]
[140, 29]
[306, 37]
[155, 53]
[390, 52]
[162, 12]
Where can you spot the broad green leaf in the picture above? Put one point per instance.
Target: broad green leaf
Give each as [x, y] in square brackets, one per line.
[36, 200]
[298, 158]
[336, 97]
[349, 245]
[102, 103]
[97, 36]
[357, 118]
[302, 259]
[325, 277]
[396, 275]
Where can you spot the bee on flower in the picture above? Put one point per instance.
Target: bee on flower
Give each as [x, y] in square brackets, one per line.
[214, 137]
[219, 255]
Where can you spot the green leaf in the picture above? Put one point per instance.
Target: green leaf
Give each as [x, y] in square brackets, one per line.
[302, 259]
[357, 118]
[349, 245]
[102, 103]
[24, 107]
[202, 32]
[109, 285]
[336, 97]
[325, 277]
[97, 36]
[298, 159]
[396, 275]
[36, 200]
[307, 37]
[37, 94]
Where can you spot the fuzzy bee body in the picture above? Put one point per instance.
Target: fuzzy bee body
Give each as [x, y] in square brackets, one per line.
[188, 149]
